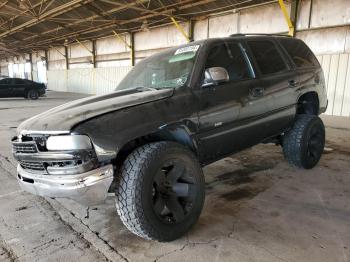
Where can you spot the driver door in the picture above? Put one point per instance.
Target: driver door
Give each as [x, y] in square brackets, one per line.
[226, 109]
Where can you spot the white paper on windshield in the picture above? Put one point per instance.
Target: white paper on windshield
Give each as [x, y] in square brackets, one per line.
[186, 49]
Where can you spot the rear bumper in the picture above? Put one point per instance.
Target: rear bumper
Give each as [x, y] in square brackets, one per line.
[88, 188]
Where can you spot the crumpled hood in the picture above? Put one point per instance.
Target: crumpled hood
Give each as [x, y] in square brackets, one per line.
[64, 117]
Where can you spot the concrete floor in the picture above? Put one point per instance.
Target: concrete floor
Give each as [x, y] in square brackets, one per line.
[258, 208]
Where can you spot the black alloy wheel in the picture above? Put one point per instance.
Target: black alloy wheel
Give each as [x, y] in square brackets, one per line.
[315, 143]
[174, 191]
[33, 94]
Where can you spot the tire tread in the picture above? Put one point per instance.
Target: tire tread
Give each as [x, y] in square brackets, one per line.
[128, 191]
[293, 139]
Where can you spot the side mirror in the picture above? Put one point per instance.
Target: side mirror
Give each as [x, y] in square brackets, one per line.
[215, 75]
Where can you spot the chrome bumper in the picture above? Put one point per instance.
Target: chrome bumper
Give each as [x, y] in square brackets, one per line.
[88, 188]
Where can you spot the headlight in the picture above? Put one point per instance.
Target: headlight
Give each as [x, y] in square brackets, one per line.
[69, 142]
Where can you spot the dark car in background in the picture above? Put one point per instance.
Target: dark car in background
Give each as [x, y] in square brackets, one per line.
[17, 87]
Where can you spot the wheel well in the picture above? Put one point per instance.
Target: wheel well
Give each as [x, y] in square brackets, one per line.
[308, 104]
[179, 135]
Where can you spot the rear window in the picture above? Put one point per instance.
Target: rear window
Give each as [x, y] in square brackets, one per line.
[301, 55]
[267, 57]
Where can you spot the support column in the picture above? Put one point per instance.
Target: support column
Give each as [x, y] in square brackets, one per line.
[294, 15]
[66, 56]
[132, 48]
[287, 17]
[94, 63]
[208, 26]
[190, 30]
[46, 60]
[310, 13]
[179, 27]
[31, 65]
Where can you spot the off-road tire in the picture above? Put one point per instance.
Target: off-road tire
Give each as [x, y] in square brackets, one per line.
[306, 136]
[32, 94]
[133, 199]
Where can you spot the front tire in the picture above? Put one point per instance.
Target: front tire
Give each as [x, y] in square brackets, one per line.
[32, 94]
[303, 145]
[160, 193]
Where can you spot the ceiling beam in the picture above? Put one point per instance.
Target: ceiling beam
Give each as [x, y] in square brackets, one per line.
[143, 9]
[78, 33]
[87, 19]
[50, 13]
[97, 11]
[3, 4]
[43, 9]
[31, 8]
[109, 12]
[10, 20]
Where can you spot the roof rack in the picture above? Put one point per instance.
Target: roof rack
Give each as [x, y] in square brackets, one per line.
[251, 34]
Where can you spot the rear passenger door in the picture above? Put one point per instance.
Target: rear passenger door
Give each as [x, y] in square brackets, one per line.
[19, 86]
[278, 81]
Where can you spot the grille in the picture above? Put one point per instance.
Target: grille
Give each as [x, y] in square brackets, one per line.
[32, 165]
[24, 148]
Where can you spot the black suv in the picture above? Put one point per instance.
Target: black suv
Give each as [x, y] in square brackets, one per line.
[175, 112]
[17, 87]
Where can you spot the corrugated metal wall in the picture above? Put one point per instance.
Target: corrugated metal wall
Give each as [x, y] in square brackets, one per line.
[336, 69]
[4, 70]
[87, 80]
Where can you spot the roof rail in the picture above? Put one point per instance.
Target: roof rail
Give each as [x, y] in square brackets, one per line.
[251, 34]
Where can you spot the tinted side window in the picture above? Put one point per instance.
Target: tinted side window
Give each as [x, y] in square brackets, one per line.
[5, 81]
[231, 58]
[301, 55]
[238, 69]
[267, 57]
[18, 81]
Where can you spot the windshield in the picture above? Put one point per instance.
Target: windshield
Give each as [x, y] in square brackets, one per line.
[165, 70]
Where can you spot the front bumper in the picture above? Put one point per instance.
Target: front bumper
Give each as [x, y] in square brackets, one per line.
[88, 188]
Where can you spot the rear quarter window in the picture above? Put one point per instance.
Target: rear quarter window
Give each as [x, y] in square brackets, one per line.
[267, 57]
[300, 53]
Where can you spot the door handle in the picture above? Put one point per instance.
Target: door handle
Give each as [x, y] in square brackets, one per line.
[257, 91]
[292, 83]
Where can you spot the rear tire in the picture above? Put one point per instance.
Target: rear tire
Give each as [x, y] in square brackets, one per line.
[303, 145]
[32, 94]
[160, 193]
